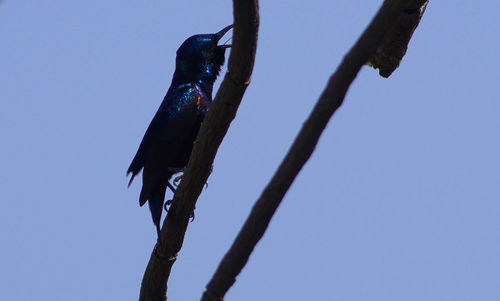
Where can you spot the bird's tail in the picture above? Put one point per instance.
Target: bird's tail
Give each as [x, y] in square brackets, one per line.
[153, 192]
[155, 202]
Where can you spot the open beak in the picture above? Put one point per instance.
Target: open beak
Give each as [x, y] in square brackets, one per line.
[221, 33]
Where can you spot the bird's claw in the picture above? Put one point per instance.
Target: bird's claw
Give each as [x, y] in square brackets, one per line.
[167, 203]
[170, 186]
[177, 180]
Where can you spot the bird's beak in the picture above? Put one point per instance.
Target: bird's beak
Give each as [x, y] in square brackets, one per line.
[221, 33]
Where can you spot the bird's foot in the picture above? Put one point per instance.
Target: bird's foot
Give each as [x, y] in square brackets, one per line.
[177, 180]
[191, 217]
[167, 203]
[171, 187]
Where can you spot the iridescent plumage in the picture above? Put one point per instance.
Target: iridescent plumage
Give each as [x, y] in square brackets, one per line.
[169, 139]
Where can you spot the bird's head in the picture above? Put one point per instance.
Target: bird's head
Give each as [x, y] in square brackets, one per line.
[200, 58]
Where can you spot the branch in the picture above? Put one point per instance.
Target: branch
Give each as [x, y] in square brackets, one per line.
[392, 50]
[303, 146]
[212, 131]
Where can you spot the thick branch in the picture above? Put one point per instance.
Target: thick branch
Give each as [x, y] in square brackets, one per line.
[303, 146]
[212, 131]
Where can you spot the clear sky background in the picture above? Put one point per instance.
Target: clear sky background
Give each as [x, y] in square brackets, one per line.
[400, 200]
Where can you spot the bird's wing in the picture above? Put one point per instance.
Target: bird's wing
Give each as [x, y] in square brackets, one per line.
[138, 161]
[159, 132]
[140, 157]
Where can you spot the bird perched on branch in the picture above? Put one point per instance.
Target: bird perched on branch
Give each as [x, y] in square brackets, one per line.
[168, 142]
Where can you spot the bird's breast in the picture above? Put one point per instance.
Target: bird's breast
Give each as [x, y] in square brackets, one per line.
[202, 100]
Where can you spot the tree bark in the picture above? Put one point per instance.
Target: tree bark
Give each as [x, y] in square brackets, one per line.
[392, 50]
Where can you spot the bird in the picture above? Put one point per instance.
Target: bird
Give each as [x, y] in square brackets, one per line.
[167, 144]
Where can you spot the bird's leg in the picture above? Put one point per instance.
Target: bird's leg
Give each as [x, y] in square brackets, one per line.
[168, 202]
[176, 180]
[171, 187]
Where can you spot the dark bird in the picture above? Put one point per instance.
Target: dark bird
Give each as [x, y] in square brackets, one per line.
[168, 142]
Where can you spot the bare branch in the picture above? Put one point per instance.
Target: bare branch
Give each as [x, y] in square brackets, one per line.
[393, 48]
[303, 146]
[212, 131]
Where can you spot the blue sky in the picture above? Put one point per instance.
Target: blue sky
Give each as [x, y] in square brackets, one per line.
[398, 202]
